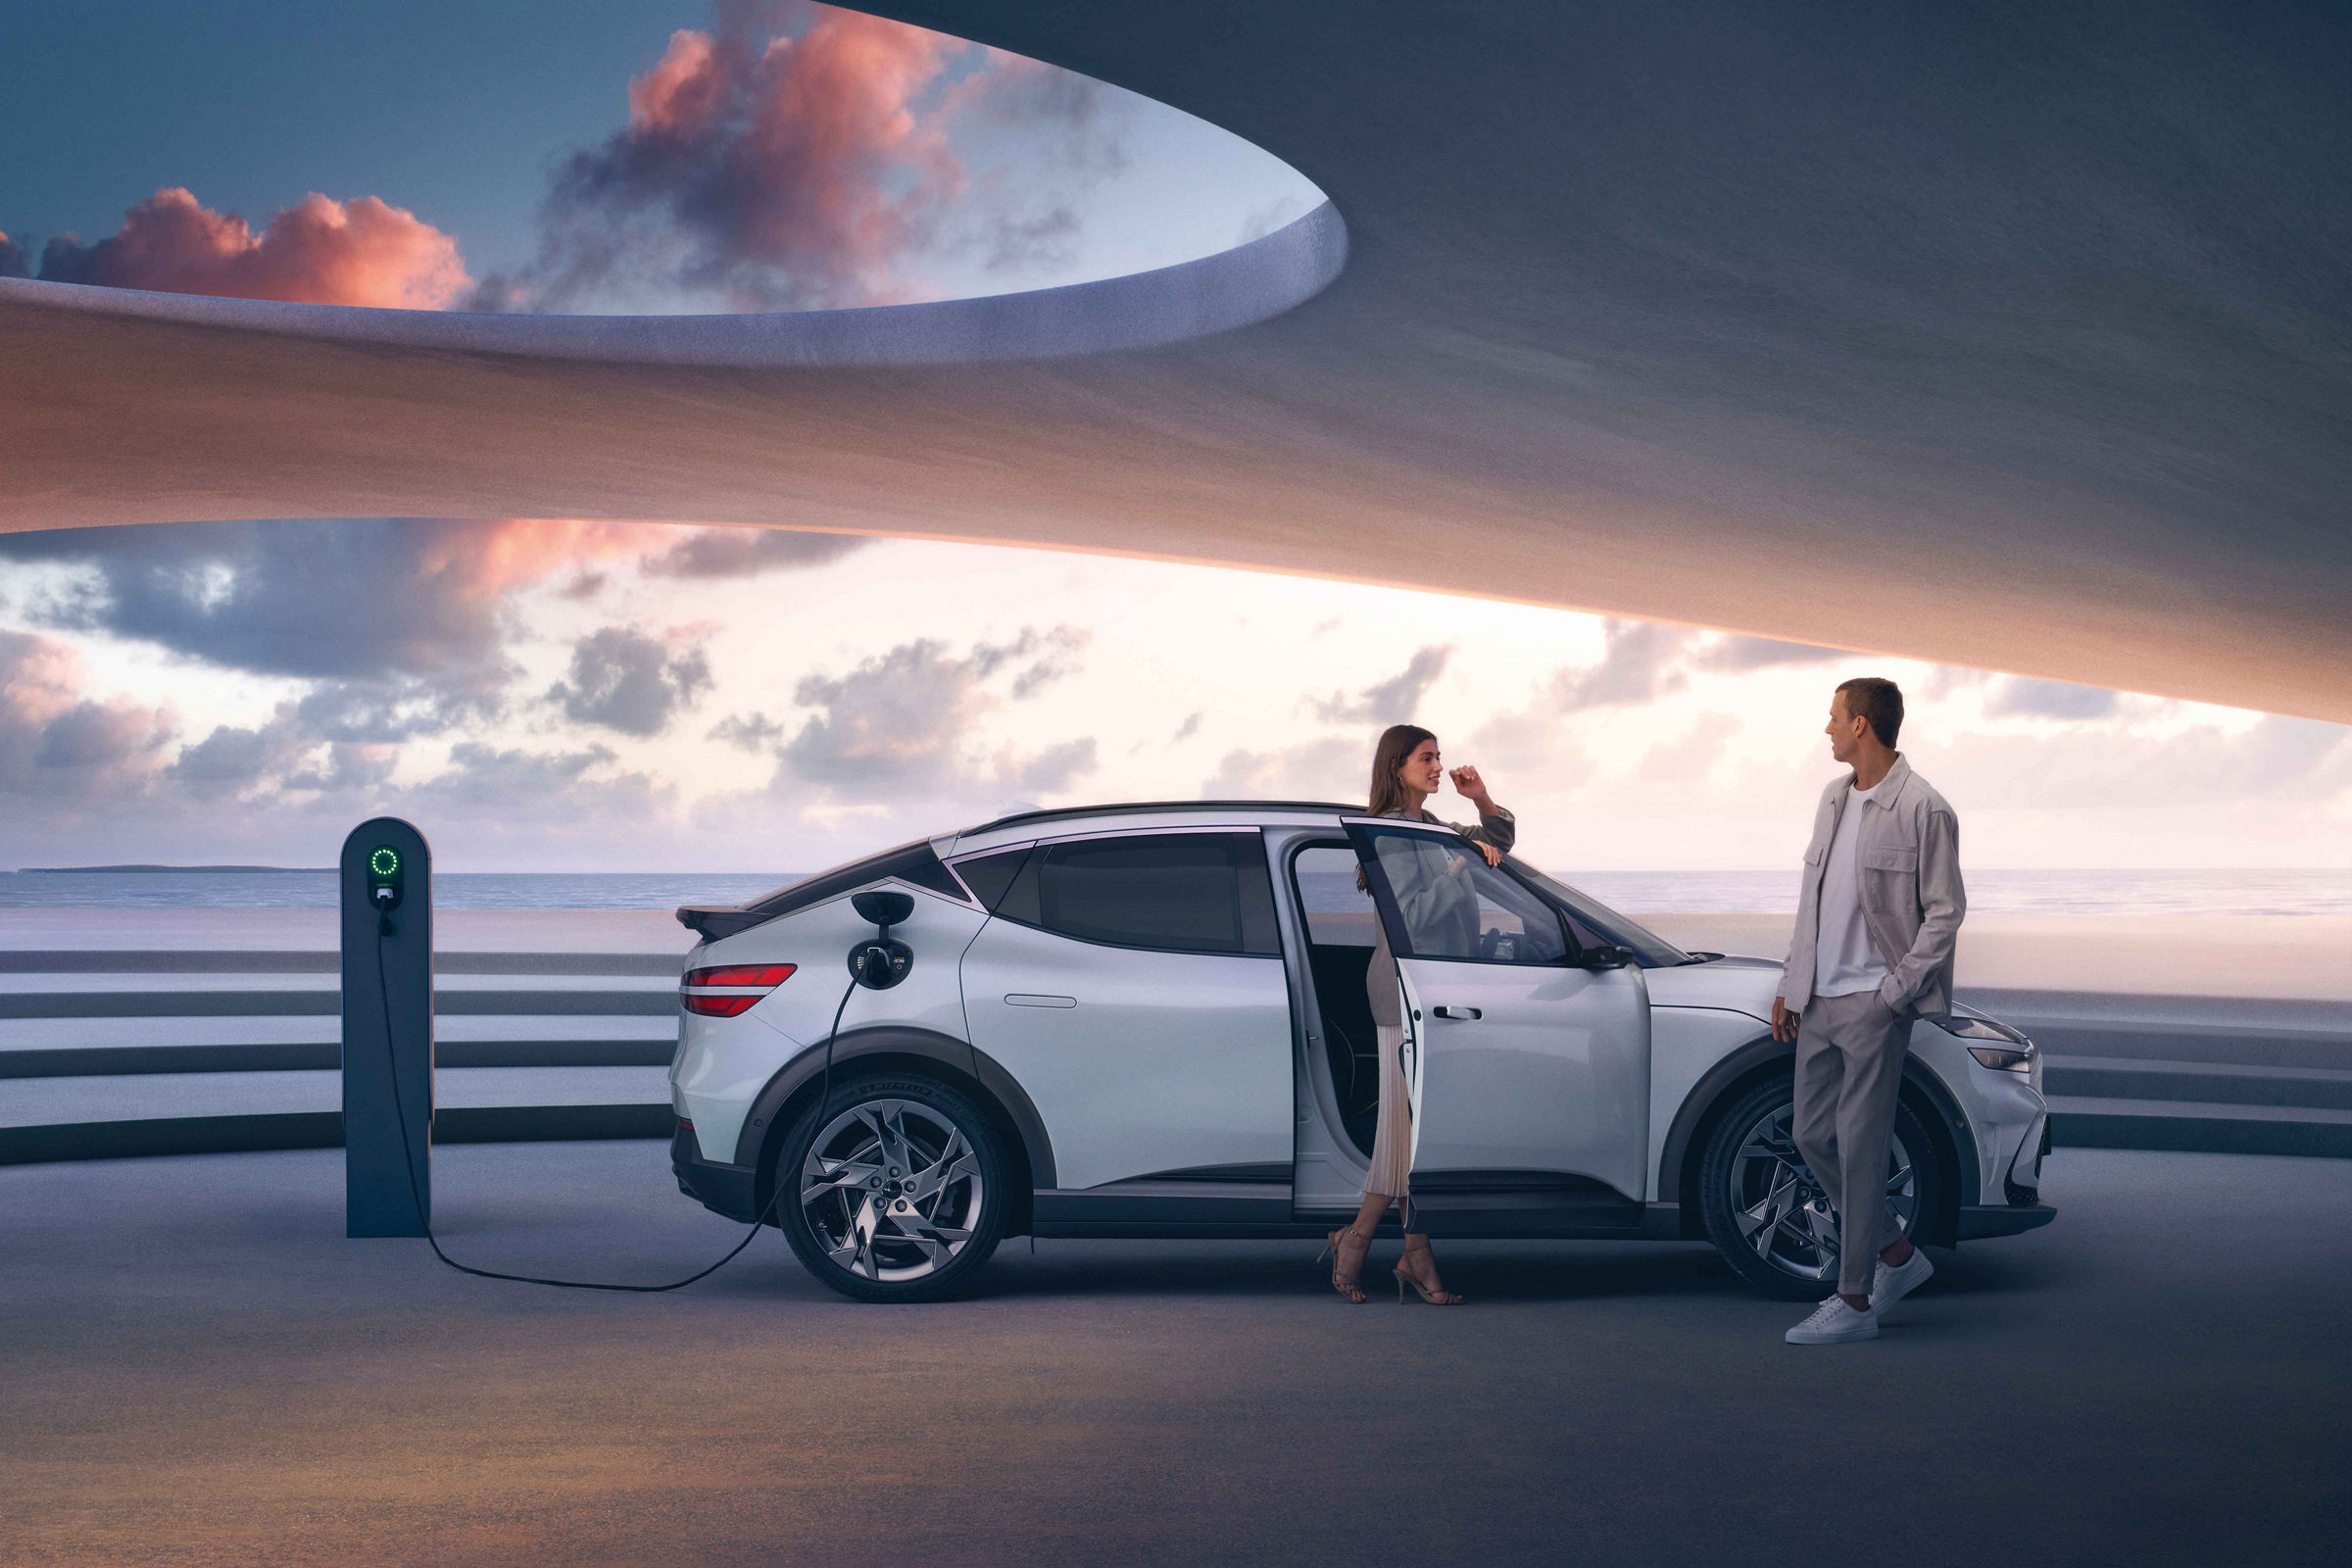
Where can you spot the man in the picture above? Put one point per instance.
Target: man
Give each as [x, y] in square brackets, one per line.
[1876, 923]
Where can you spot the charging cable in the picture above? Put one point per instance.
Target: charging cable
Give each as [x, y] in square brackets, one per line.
[383, 993]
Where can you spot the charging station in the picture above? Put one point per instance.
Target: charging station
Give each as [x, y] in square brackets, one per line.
[387, 914]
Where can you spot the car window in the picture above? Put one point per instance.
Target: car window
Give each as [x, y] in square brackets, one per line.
[1595, 924]
[1332, 897]
[989, 875]
[1181, 892]
[1453, 904]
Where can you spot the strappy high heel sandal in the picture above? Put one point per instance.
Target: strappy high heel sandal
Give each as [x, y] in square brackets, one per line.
[1349, 1286]
[1405, 1276]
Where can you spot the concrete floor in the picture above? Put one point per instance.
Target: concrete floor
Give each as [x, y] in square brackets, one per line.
[195, 1367]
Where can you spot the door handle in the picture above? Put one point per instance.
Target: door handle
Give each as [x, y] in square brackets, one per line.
[1461, 1015]
[1024, 999]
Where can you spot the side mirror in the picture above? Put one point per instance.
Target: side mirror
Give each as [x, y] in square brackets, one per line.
[878, 907]
[1603, 956]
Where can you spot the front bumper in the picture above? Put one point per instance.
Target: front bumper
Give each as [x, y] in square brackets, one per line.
[722, 1188]
[1979, 1221]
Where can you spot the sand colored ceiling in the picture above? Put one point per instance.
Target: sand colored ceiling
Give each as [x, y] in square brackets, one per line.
[1968, 335]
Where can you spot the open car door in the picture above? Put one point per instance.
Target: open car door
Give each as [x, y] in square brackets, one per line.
[1527, 1058]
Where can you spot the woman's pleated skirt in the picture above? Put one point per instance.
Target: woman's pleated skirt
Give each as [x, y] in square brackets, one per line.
[1393, 1134]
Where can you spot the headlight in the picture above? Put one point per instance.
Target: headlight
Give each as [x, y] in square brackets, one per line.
[1981, 1029]
[2010, 1051]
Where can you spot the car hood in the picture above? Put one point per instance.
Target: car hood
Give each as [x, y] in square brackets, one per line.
[1734, 985]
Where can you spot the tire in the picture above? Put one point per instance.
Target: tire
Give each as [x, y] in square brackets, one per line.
[926, 1239]
[1765, 1213]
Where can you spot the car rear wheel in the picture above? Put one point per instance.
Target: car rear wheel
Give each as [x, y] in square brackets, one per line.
[1768, 1217]
[894, 1190]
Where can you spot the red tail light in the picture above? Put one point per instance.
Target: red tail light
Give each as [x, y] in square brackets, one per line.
[728, 988]
[766, 975]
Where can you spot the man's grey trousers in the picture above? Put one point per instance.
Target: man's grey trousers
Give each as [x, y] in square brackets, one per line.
[1849, 1069]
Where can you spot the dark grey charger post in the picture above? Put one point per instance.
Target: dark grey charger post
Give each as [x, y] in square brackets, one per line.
[387, 879]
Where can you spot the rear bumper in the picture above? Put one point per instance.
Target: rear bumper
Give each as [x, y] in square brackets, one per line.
[1978, 1222]
[722, 1188]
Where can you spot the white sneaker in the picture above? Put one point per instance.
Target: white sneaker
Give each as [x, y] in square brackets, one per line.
[1889, 1286]
[1836, 1323]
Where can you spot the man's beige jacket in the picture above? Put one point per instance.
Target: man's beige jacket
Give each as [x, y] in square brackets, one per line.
[1907, 853]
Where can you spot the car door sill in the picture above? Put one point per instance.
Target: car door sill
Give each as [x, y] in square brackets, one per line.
[1159, 1207]
[1521, 1203]
[1563, 1215]
[1261, 1210]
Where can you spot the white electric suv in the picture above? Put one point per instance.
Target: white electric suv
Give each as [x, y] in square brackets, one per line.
[1151, 1022]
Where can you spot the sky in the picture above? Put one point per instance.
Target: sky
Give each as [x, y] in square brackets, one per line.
[559, 695]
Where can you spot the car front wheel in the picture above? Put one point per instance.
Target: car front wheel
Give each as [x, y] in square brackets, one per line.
[1767, 1215]
[894, 1190]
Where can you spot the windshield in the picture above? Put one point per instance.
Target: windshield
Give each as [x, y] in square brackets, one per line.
[1605, 924]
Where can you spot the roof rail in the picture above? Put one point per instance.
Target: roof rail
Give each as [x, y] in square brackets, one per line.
[1061, 812]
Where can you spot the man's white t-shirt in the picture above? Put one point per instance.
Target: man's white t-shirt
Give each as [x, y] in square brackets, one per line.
[1845, 961]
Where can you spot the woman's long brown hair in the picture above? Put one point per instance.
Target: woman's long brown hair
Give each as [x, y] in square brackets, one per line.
[1397, 743]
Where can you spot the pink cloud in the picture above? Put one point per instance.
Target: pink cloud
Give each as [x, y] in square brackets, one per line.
[483, 561]
[39, 680]
[59, 745]
[683, 92]
[319, 250]
[786, 172]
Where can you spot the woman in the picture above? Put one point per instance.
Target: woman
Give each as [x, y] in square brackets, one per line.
[1434, 890]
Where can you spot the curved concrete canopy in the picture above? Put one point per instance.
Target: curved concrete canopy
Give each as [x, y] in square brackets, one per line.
[2008, 337]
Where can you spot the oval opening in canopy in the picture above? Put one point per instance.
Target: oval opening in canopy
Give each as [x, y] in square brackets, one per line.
[846, 191]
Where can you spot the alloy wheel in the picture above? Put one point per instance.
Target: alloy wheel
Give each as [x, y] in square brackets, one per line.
[892, 1190]
[1782, 1215]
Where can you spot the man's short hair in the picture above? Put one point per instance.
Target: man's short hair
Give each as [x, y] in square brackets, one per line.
[1879, 700]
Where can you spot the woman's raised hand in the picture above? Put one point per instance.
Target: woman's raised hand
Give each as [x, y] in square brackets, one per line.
[1468, 785]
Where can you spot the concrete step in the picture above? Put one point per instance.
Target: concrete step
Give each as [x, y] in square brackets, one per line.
[156, 929]
[322, 1129]
[2281, 1012]
[247, 1004]
[316, 961]
[242, 981]
[79, 1061]
[54, 1034]
[2090, 1122]
[2246, 1032]
[43, 1102]
[107, 1118]
[2202, 1081]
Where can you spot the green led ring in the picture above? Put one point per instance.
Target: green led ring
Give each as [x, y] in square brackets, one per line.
[384, 862]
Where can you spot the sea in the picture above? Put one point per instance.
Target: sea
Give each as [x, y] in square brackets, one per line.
[2036, 892]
